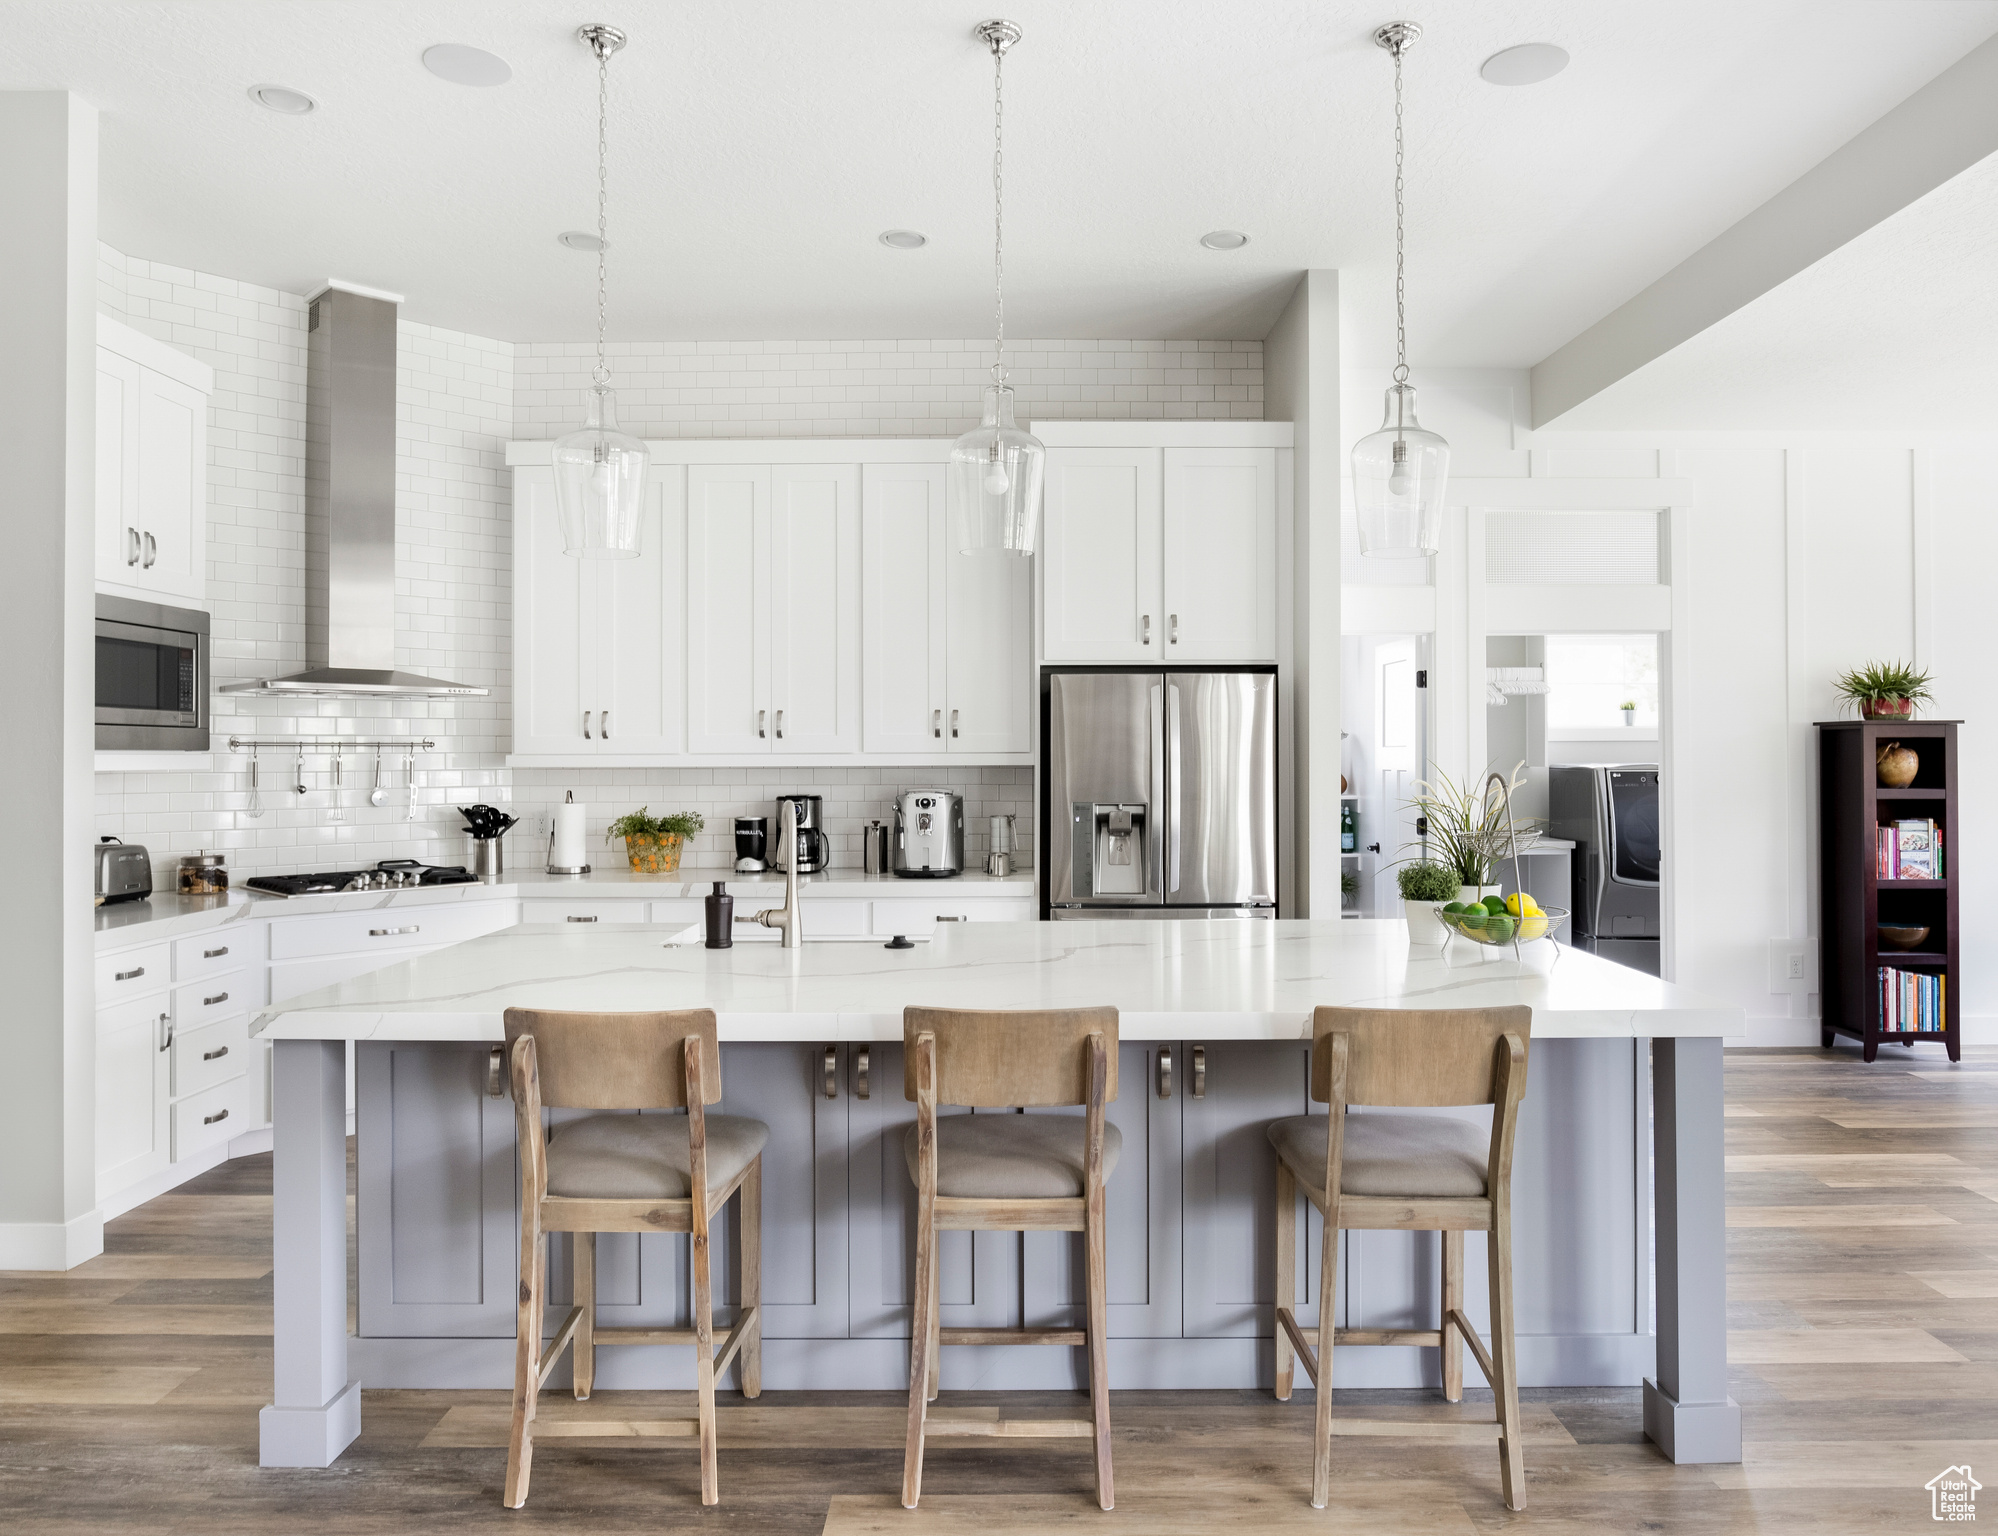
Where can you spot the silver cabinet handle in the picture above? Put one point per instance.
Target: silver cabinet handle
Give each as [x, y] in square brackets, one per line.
[219, 1115]
[953, 725]
[1172, 629]
[944, 917]
[166, 1032]
[579, 919]
[603, 725]
[936, 724]
[780, 725]
[215, 1055]
[586, 725]
[1165, 1072]
[832, 1071]
[128, 975]
[152, 552]
[215, 954]
[383, 933]
[131, 546]
[1147, 628]
[860, 1073]
[1200, 1071]
[496, 1072]
[761, 716]
[219, 997]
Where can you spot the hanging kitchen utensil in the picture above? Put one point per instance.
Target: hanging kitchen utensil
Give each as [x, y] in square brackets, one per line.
[378, 795]
[298, 784]
[255, 808]
[409, 771]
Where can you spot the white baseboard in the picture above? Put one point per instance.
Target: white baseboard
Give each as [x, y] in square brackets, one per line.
[51, 1245]
[1763, 1034]
[119, 1201]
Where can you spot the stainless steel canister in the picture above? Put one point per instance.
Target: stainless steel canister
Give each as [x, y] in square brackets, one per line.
[874, 849]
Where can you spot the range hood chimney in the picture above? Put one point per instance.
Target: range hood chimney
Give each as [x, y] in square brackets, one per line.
[350, 509]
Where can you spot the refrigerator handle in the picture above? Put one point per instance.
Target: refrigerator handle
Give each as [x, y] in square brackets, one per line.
[1160, 808]
[1172, 781]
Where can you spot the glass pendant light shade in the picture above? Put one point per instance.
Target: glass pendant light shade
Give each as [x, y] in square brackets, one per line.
[996, 471]
[600, 484]
[1399, 475]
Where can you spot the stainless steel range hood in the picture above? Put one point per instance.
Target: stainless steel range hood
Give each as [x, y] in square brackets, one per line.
[350, 510]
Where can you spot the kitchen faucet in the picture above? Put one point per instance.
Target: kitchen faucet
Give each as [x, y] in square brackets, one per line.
[786, 916]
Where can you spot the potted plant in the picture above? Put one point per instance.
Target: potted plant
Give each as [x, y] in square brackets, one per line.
[1425, 885]
[653, 844]
[1468, 831]
[1629, 708]
[1883, 690]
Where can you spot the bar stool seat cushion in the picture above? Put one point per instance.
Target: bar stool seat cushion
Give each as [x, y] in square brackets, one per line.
[645, 1157]
[1428, 1156]
[1013, 1157]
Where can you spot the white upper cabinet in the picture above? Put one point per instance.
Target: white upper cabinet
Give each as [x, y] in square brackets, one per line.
[1160, 555]
[152, 466]
[599, 645]
[1220, 554]
[989, 699]
[728, 608]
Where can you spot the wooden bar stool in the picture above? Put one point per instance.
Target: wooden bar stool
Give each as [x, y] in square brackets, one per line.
[628, 1173]
[1009, 1173]
[1406, 1173]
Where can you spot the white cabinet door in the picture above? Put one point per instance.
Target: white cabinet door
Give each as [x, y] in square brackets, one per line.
[728, 624]
[638, 689]
[814, 607]
[172, 486]
[119, 545]
[1220, 554]
[991, 663]
[134, 1061]
[554, 632]
[904, 596]
[1101, 566]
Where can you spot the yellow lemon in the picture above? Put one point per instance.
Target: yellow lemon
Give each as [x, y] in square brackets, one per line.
[1533, 927]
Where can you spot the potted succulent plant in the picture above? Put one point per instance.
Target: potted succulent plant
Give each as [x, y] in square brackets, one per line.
[1629, 708]
[1468, 831]
[653, 844]
[1425, 885]
[1883, 690]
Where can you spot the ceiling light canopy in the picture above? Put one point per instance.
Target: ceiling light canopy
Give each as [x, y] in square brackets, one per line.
[282, 98]
[1526, 64]
[904, 239]
[462, 64]
[581, 240]
[1224, 239]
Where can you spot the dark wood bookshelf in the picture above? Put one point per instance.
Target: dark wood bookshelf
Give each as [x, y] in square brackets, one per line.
[1854, 901]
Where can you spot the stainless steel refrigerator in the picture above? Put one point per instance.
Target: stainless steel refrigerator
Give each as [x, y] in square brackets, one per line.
[1159, 793]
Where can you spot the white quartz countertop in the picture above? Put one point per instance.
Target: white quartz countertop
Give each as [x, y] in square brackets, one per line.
[167, 915]
[1170, 981]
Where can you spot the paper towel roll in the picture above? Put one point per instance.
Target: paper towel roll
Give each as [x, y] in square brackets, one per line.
[571, 850]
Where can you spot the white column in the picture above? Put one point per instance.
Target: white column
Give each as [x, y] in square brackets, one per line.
[48, 393]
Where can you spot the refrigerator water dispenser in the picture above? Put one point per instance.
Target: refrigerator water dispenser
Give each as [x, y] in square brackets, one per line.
[1109, 849]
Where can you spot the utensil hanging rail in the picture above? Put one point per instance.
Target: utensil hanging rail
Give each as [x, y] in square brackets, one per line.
[332, 743]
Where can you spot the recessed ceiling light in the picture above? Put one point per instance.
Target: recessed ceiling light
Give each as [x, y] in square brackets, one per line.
[462, 64]
[582, 240]
[1224, 239]
[1527, 64]
[904, 239]
[282, 98]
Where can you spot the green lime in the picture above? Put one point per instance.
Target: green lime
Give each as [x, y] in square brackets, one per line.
[1454, 906]
[1495, 905]
[1471, 917]
[1498, 929]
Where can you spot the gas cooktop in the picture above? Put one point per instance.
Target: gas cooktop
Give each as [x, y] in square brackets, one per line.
[389, 875]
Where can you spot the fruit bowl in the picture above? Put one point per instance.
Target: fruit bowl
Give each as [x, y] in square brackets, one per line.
[1494, 929]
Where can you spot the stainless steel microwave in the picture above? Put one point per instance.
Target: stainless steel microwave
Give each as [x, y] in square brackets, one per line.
[152, 677]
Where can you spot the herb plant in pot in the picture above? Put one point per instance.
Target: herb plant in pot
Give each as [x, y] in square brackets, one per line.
[1425, 886]
[653, 844]
[1883, 690]
[1468, 832]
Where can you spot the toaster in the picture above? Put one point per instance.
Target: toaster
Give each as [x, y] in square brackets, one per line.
[124, 870]
[929, 834]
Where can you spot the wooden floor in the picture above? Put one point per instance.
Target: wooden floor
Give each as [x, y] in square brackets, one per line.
[1863, 1208]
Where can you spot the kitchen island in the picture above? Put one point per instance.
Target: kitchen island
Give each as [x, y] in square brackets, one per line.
[1621, 1131]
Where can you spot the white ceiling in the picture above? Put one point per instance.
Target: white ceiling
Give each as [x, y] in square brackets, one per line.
[760, 146]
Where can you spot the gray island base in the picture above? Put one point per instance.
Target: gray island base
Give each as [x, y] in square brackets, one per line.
[1621, 1137]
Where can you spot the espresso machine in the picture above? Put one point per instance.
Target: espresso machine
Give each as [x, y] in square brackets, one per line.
[929, 834]
[814, 850]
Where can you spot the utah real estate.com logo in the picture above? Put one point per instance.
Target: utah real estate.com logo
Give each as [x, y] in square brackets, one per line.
[1953, 1494]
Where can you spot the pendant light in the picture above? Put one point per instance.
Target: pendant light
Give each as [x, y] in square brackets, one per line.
[996, 469]
[600, 471]
[1400, 471]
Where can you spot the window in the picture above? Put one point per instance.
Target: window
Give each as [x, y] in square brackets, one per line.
[1591, 677]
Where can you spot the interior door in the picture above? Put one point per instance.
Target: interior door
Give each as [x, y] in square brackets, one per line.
[904, 585]
[1100, 569]
[991, 661]
[639, 689]
[1219, 561]
[173, 485]
[814, 605]
[1388, 819]
[1220, 835]
[728, 608]
[554, 631]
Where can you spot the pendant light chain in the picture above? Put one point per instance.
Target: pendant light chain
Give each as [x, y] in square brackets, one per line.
[999, 212]
[1400, 319]
[601, 375]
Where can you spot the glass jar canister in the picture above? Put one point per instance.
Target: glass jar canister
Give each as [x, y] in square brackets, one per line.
[203, 874]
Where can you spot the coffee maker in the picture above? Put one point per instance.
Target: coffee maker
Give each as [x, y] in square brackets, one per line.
[814, 850]
[752, 834]
[929, 834]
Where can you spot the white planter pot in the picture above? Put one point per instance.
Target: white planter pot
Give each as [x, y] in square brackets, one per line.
[1469, 893]
[1425, 929]
[1630, 717]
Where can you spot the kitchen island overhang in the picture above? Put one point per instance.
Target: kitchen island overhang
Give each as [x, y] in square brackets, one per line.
[1214, 1020]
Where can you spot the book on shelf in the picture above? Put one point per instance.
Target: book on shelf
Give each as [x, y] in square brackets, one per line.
[1908, 850]
[1912, 1002]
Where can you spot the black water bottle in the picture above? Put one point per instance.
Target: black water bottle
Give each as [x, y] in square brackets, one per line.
[721, 917]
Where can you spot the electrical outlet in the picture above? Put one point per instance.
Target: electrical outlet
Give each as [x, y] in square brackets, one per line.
[1796, 967]
[1793, 965]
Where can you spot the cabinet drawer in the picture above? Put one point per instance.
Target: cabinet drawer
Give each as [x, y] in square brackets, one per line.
[290, 978]
[133, 972]
[386, 928]
[919, 919]
[209, 954]
[216, 998]
[582, 913]
[210, 1055]
[685, 910]
[223, 1111]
